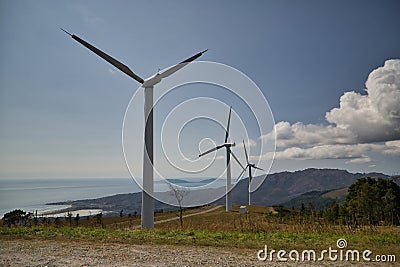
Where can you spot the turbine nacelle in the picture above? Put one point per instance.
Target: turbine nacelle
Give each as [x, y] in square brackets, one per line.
[151, 81]
[156, 78]
[229, 144]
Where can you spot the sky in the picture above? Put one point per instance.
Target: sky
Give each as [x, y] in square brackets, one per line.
[329, 70]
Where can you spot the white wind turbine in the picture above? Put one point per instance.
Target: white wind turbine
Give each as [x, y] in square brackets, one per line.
[249, 165]
[148, 85]
[228, 197]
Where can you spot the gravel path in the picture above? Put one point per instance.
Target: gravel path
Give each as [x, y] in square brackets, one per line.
[79, 253]
[56, 253]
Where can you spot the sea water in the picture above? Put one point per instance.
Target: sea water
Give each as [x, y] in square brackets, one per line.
[32, 195]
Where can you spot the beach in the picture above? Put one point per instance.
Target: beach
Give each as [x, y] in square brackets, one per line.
[65, 212]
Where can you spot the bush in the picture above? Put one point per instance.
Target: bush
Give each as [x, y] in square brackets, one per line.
[17, 217]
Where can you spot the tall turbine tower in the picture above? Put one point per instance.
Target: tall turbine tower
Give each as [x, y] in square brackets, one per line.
[228, 197]
[249, 165]
[148, 85]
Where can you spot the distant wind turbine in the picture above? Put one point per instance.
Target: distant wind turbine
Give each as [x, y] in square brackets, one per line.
[228, 197]
[148, 85]
[249, 165]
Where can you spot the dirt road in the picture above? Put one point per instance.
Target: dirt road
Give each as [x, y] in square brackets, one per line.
[80, 253]
[56, 253]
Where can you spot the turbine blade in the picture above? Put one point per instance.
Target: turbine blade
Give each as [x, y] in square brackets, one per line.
[66, 32]
[180, 65]
[258, 168]
[188, 60]
[233, 155]
[240, 175]
[209, 151]
[245, 152]
[227, 127]
[122, 67]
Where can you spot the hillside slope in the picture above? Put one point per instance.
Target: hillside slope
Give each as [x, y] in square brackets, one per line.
[276, 189]
[281, 187]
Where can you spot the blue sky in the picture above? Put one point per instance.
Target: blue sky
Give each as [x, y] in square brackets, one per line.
[61, 107]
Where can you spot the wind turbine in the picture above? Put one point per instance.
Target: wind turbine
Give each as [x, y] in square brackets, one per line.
[249, 165]
[148, 85]
[228, 197]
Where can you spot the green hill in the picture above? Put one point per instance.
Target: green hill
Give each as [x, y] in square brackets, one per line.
[317, 199]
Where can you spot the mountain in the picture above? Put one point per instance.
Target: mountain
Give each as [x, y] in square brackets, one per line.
[281, 187]
[276, 189]
[178, 181]
[318, 199]
[323, 199]
[112, 205]
[396, 179]
[182, 181]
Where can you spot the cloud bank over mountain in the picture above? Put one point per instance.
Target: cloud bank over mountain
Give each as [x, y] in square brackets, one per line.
[361, 124]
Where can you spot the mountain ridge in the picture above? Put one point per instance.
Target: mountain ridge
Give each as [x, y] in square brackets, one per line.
[276, 189]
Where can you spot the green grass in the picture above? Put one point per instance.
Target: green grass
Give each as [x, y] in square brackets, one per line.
[221, 229]
[382, 241]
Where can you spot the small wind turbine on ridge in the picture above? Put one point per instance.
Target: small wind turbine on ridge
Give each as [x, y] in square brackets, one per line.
[249, 165]
[148, 85]
[229, 152]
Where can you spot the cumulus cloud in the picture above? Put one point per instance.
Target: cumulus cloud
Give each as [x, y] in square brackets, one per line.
[300, 134]
[392, 148]
[249, 143]
[374, 117]
[354, 128]
[351, 152]
[365, 159]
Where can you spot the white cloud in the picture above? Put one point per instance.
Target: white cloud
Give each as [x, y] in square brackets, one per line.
[365, 159]
[219, 157]
[361, 124]
[356, 153]
[300, 134]
[374, 117]
[249, 143]
[392, 148]
[327, 152]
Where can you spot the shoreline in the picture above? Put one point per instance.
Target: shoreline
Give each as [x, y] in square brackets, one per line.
[54, 211]
[73, 211]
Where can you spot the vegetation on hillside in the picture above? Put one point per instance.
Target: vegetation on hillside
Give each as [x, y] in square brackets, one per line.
[260, 226]
[18, 216]
[373, 201]
[369, 201]
[367, 219]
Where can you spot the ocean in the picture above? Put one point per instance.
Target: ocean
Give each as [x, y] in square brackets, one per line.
[31, 195]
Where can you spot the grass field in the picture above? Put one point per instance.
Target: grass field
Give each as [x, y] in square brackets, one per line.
[219, 228]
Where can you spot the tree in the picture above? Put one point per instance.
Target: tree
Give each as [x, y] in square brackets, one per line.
[17, 217]
[77, 219]
[69, 217]
[179, 193]
[13, 217]
[99, 219]
[373, 201]
[332, 213]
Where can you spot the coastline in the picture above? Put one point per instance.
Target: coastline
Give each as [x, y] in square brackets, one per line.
[70, 209]
[73, 212]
